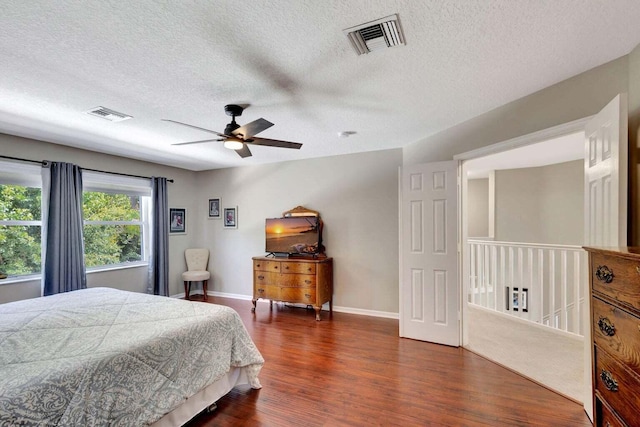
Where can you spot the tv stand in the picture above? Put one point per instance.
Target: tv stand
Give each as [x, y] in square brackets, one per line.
[279, 255]
[294, 280]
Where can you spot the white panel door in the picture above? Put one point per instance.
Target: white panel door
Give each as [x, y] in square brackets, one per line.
[429, 285]
[605, 198]
[605, 167]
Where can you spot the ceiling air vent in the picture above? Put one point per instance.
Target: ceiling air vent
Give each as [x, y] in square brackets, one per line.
[107, 114]
[380, 34]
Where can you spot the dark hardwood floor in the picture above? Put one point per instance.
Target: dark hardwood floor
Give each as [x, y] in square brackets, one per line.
[351, 370]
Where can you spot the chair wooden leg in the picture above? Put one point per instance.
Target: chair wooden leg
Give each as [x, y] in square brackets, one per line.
[187, 287]
[204, 289]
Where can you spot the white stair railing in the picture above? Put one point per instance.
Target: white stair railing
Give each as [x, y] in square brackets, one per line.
[536, 282]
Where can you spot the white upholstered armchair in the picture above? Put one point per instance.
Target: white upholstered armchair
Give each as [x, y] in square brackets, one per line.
[197, 262]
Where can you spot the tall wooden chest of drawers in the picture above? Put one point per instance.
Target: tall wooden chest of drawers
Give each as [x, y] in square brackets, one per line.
[615, 328]
[294, 280]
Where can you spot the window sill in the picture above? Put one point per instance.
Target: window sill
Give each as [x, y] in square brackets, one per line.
[37, 277]
[117, 267]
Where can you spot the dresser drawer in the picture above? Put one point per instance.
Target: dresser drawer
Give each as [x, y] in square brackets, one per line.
[617, 278]
[618, 386]
[261, 265]
[262, 278]
[298, 295]
[267, 292]
[297, 280]
[618, 332]
[605, 416]
[299, 267]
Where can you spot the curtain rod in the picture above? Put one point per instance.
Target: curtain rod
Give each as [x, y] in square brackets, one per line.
[43, 162]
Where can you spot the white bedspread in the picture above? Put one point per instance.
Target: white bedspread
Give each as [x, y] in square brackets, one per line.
[107, 357]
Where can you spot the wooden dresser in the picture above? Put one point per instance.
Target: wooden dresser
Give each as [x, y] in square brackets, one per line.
[294, 280]
[615, 329]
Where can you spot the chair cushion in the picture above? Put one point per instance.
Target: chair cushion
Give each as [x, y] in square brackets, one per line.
[195, 276]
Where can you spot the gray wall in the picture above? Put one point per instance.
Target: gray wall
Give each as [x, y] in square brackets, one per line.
[478, 207]
[357, 197]
[541, 205]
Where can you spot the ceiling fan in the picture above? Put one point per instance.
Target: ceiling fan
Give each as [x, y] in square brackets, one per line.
[238, 137]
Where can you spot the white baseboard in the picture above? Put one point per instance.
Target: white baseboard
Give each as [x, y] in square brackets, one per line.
[325, 307]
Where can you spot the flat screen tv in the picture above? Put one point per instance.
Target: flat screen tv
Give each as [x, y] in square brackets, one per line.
[294, 235]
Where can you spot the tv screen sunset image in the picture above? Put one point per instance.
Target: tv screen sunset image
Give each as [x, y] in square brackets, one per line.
[292, 235]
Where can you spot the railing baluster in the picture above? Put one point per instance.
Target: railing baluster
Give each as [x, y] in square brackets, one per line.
[563, 291]
[503, 277]
[577, 307]
[552, 288]
[540, 284]
[494, 276]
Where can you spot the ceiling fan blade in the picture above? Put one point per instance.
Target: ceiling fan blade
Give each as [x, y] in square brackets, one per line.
[244, 151]
[253, 128]
[194, 127]
[274, 143]
[197, 142]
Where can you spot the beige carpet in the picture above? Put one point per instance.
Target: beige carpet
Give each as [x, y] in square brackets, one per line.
[552, 359]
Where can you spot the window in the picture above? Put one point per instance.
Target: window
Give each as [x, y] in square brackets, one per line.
[116, 209]
[116, 219]
[20, 219]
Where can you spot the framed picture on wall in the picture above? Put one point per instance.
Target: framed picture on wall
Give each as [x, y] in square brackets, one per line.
[231, 217]
[214, 208]
[177, 221]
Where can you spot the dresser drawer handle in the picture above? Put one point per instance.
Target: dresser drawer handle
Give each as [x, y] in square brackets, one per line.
[308, 282]
[286, 267]
[261, 277]
[275, 267]
[261, 291]
[257, 265]
[308, 296]
[606, 327]
[609, 382]
[604, 274]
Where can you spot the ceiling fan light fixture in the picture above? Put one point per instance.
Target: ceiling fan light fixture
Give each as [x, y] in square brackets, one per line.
[233, 144]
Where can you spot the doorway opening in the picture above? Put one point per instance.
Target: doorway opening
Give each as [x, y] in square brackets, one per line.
[522, 232]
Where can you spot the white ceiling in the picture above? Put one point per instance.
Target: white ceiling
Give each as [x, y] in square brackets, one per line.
[290, 61]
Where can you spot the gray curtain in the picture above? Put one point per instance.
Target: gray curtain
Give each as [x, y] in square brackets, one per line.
[159, 259]
[64, 268]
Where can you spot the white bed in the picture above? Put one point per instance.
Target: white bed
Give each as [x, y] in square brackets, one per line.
[107, 357]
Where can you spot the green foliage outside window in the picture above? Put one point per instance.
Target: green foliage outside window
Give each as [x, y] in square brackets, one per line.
[115, 239]
[107, 244]
[19, 244]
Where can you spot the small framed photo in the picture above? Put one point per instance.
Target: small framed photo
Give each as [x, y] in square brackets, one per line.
[231, 217]
[177, 221]
[214, 208]
[515, 299]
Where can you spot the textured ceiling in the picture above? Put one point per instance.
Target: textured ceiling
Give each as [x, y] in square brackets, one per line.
[291, 63]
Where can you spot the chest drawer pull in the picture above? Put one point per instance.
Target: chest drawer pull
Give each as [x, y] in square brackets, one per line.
[307, 295]
[606, 327]
[604, 274]
[261, 291]
[261, 277]
[609, 382]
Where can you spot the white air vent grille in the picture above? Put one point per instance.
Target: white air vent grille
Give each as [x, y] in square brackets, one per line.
[108, 114]
[380, 34]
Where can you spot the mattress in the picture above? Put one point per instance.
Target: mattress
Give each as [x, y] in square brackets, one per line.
[102, 356]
